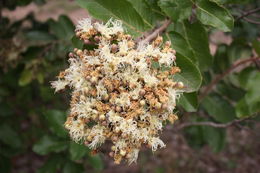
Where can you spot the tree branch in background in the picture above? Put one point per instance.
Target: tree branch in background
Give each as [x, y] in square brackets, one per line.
[212, 124]
[209, 87]
[247, 13]
[251, 21]
[156, 32]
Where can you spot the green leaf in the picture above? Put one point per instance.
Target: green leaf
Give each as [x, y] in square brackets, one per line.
[39, 36]
[189, 101]
[181, 45]
[242, 109]
[71, 167]
[77, 43]
[249, 79]
[149, 16]
[220, 109]
[221, 60]
[197, 41]
[177, 10]
[52, 165]
[49, 144]
[63, 28]
[56, 120]
[9, 136]
[256, 46]
[239, 49]
[77, 151]
[26, 77]
[118, 9]
[230, 91]
[96, 162]
[215, 137]
[190, 74]
[210, 13]
[40, 77]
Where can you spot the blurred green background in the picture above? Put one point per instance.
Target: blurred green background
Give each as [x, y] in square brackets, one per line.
[35, 39]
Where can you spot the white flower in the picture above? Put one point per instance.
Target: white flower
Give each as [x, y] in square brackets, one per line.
[156, 143]
[84, 25]
[117, 94]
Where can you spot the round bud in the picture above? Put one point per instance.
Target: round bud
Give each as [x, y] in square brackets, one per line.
[142, 102]
[87, 42]
[102, 117]
[78, 34]
[158, 105]
[79, 52]
[180, 85]
[113, 148]
[89, 138]
[142, 92]
[114, 48]
[111, 154]
[122, 152]
[93, 80]
[118, 109]
[97, 38]
[71, 55]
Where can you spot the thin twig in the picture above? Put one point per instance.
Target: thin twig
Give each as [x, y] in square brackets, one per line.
[156, 32]
[221, 76]
[212, 124]
[251, 21]
[248, 13]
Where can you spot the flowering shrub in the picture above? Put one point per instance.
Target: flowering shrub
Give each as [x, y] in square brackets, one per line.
[117, 94]
[122, 89]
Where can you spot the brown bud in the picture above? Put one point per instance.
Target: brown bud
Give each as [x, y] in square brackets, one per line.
[71, 55]
[111, 154]
[97, 38]
[87, 42]
[114, 48]
[78, 34]
[142, 92]
[118, 109]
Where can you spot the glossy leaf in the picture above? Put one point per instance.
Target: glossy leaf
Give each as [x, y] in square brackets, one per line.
[149, 16]
[177, 10]
[215, 137]
[49, 144]
[39, 36]
[220, 109]
[122, 10]
[197, 41]
[210, 13]
[249, 79]
[189, 101]
[182, 46]
[256, 46]
[63, 28]
[96, 162]
[77, 151]
[190, 74]
[56, 120]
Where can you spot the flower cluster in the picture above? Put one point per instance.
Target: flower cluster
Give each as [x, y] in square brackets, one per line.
[121, 91]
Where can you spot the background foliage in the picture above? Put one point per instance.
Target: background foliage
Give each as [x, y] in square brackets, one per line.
[222, 87]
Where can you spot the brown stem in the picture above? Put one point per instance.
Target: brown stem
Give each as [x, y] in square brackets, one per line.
[251, 21]
[248, 13]
[221, 76]
[211, 124]
[156, 32]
